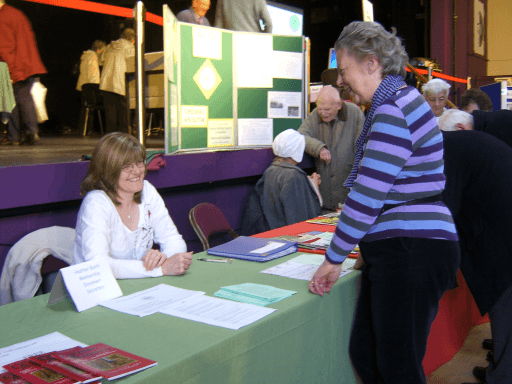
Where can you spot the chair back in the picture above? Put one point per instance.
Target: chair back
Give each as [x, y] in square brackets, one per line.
[207, 220]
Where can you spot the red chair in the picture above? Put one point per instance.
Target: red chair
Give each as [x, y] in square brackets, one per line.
[208, 220]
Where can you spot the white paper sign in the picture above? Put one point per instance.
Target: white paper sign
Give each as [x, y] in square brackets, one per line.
[207, 43]
[87, 283]
[194, 116]
[284, 105]
[220, 133]
[287, 65]
[253, 55]
[255, 131]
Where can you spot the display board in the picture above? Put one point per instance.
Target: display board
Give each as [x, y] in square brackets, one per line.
[497, 93]
[230, 89]
[269, 86]
[206, 84]
[171, 51]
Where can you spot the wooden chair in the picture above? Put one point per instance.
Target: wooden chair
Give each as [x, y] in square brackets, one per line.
[208, 220]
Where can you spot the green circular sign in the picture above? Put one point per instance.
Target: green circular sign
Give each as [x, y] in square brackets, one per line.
[294, 23]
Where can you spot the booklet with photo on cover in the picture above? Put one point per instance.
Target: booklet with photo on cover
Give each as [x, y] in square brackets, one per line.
[11, 378]
[50, 361]
[106, 361]
[254, 249]
[37, 374]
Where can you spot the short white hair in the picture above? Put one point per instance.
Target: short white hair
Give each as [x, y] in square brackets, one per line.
[435, 86]
[451, 117]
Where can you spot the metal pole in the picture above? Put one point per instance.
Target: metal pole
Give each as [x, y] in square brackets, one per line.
[139, 14]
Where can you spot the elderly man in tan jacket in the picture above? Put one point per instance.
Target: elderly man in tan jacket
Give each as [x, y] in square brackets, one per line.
[113, 83]
[331, 131]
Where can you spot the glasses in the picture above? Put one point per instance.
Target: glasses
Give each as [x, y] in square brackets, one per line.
[130, 167]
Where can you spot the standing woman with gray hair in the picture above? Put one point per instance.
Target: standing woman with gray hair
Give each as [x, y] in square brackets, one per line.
[436, 93]
[406, 234]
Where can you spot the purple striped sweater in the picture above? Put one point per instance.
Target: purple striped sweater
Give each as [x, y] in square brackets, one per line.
[403, 161]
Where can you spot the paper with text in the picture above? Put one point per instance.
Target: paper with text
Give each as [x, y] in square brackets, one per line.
[296, 270]
[150, 300]
[218, 312]
[52, 342]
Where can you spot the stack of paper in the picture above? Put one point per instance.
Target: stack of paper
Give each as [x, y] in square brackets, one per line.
[328, 219]
[314, 240]
[257, 294]
[302, 267]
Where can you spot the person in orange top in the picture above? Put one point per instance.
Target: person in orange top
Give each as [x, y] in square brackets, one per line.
[18, 49]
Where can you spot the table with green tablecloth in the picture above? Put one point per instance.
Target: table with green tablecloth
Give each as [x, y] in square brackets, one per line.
[304, 341]
[7, 101]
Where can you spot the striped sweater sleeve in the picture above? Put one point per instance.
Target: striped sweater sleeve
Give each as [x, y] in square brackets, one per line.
[392, 142]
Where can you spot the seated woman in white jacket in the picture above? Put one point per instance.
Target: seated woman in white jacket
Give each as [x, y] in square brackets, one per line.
[122, 215]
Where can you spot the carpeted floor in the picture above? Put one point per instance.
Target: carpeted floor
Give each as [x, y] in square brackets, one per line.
[459, 369]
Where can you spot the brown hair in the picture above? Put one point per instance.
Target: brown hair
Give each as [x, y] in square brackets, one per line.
[128, 34]
[112, 153]
[97, 45]
[477, 96]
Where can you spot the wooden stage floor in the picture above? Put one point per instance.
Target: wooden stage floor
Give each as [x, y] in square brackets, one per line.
[59, 149]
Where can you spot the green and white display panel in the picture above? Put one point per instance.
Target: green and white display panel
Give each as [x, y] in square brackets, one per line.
[230, 89]
[171, 51]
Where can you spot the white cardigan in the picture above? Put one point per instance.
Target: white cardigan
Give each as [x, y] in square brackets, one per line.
[21, 275]
[100, 233]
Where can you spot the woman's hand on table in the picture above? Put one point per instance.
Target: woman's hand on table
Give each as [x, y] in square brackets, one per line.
[324, 278]
[177, 264]
[153, 259]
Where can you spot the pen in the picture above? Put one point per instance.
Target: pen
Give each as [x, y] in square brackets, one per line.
[217, 260]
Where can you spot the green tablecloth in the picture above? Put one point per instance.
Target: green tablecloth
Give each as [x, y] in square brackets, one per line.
[304, 341]
[7, 102]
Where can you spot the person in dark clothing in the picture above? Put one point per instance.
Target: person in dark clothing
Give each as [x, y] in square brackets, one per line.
[287, 194]
[495, 123]
[478, 169]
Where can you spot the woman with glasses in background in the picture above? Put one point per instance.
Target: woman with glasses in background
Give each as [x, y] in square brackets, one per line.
[122, 215]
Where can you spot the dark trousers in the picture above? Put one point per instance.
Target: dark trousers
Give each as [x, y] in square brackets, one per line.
[23, 117]
[115, 112]
[402, 283]
[90, 95]
[500, 369]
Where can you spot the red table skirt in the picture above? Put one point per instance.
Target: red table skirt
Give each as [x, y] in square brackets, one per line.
[457, 314]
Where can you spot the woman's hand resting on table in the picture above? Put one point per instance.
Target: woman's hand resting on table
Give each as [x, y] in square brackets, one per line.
[153, 259]
[177, 264]
[324, 278]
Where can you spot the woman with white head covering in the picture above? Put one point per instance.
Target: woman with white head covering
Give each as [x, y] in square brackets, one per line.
[287, 194]
[436, 93]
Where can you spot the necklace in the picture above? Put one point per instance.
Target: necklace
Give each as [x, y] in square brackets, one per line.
[129, 212]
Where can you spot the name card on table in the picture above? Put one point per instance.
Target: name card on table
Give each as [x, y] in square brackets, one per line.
[87, 283]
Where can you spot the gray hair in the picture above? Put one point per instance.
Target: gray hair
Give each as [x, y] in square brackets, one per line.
[435, 86]
[363, 38]
[452, 117]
